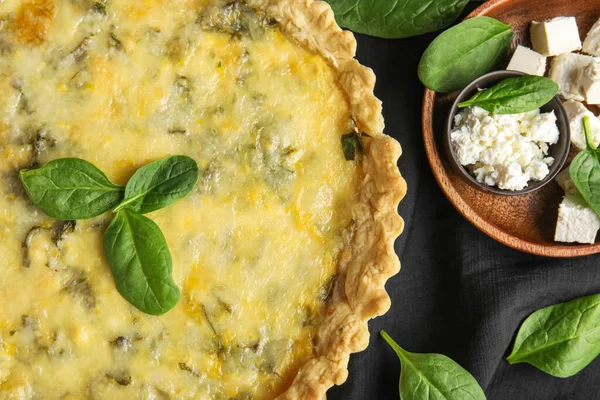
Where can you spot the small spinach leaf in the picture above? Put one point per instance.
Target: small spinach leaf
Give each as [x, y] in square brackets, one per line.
[585, 170]
[160, 184]
[396, 19]
[139, 259]
[463, 53]
[352, 144]
[71, 188]
[515, 95]
[100, 7]
[561, 339]
[433, 376]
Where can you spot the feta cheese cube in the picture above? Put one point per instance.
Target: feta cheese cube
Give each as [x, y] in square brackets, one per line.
[591, 44]
[567, 70]
[590, 83]
[556, 36]
[577, 223]
[575, 113]
[527, 61]
[564, 181]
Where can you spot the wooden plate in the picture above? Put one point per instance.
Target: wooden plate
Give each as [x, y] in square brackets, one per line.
[524, 222]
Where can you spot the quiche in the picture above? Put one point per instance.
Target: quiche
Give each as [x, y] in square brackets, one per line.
[281, 251]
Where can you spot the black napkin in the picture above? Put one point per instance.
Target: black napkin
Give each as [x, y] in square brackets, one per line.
[459, 292]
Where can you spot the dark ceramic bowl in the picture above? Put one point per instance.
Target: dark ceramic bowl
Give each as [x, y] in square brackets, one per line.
[559, 151]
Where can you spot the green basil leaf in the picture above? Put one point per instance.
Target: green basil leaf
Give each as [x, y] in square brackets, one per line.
[463, 53]
[515, 95]
[141, 264]
[561, 339]
[160, 184]
[352, 144]
[71, 188]
[585, 170]
[396, 19]
[433, 376]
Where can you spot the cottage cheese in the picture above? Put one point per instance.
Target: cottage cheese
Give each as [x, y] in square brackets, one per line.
[506, 151]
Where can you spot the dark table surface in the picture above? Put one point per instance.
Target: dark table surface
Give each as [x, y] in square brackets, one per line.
[459, 292]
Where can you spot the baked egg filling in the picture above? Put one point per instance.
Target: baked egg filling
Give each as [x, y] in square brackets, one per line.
[254, 246]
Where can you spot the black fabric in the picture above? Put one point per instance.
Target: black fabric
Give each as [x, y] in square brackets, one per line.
[459, 292]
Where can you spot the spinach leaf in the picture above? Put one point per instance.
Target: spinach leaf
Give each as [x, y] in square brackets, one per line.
[515, 95]
[100, 7]
[352, 144]
[396, 19]
[463, 53]
[139, 259]
[433, 376]
[561, 339]
[160, 184]
[585, 170]
[134, 246]
[71, 188]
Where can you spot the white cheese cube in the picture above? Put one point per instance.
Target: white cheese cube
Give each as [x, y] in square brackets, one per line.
[564, 181]
[590, 83]
[592, 91]
[591, 44]
[567, 70]
[575, 113]
[527, 61]
[577, 223]
[556, 36]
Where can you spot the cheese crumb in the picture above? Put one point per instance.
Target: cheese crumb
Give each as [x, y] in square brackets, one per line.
[556, 36]
[505, 150]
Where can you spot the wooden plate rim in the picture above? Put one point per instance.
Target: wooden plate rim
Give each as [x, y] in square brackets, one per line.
[439, 171]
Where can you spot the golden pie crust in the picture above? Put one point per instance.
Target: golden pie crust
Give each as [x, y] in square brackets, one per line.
[368, 259]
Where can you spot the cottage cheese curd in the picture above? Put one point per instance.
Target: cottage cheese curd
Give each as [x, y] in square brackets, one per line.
[507, 150]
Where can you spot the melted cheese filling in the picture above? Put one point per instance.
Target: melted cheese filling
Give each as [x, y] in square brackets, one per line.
[254, 247]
